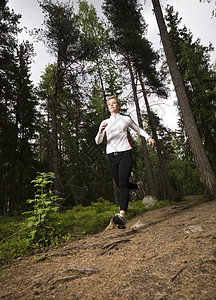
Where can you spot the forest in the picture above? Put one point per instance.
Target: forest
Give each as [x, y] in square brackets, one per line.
[51, 127]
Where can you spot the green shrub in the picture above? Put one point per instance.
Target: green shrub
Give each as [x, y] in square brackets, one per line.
[14, 238]
[136, 208]
[57, 227]
[90, 219]
[18, 246]
[44, 228]
[9, 225]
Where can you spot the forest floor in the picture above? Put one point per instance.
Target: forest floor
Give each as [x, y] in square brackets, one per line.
[169, 254]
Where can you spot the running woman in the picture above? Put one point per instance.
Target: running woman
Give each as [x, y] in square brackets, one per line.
[119, 153]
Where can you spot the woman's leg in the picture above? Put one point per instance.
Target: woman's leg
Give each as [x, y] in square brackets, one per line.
[125, 167]
[120, 167]
[114, 168]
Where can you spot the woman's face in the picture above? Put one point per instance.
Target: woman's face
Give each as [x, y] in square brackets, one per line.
[113, 106]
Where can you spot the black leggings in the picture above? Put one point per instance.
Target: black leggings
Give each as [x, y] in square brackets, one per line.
[120, 164]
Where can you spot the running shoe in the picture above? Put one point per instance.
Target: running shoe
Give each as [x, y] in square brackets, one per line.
[119, 220]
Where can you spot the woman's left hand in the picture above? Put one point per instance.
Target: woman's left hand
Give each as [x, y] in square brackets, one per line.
[151, 142]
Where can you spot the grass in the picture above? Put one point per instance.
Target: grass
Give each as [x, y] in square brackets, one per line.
[77, 221]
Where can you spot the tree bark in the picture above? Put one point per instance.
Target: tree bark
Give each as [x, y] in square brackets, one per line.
[158, 147]
[103, 89]
[151, 181]
[206, 174]
[57, 183]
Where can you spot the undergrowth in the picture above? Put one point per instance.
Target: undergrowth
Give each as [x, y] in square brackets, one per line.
[75, 222]
[44, 226]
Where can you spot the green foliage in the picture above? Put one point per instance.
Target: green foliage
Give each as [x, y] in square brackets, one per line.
[61, 34]
[180, 172]
[43, 225]
[18, 245]
[17, 114]
[90, 219]
[138, 208]
[77, 221]
[9, 225]
[127, 31]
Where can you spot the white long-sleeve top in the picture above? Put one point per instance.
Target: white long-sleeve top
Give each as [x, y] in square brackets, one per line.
[117, 133]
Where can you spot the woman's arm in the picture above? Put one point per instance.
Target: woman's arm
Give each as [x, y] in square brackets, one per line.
[101, 132]
[139, 130]
[142, 132]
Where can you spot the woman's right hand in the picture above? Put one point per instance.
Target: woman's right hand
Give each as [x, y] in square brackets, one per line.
[103, 126]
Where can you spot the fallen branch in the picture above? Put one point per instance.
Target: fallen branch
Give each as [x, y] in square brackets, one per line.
[7, 238]
[123, 234]
[111, 246]
[81, 270]
[179, 272]
[65, 279]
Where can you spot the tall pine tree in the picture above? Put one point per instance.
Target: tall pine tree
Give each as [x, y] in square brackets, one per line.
[61, 36]
[199, 79]
[128, 29]
[206, 174]
[17, 114]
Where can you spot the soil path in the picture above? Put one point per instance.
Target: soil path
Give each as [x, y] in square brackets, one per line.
[172, 255]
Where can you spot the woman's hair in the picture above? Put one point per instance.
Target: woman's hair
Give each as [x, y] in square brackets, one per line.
[116, 99]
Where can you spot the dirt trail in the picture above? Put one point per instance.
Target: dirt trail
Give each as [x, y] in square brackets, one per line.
[171, 256]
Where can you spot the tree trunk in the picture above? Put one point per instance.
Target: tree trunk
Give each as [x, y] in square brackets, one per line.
[151, 181]
[158, 147]
[206, 174]
[103, 89]
[57, 184]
